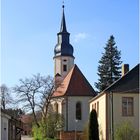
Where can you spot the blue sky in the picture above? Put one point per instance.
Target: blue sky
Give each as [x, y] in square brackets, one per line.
[29, 33]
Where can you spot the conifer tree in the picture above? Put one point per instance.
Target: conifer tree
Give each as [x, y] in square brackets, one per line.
[93, 126]
[109, 69]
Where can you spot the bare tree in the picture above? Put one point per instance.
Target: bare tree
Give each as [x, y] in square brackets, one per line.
[5, 96]
[46, 94]
[35, 93]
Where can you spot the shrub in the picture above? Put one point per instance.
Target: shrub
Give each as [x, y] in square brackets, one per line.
[125, 131]
[48, 128]
[38, 132]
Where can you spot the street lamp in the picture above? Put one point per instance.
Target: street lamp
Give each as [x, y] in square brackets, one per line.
[75, 128]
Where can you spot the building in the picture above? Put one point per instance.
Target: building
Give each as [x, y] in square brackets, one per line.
[27, 121]
[73, 91]
[118, 103]
[10, 127]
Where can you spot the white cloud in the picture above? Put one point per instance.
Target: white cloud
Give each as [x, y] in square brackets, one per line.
[80, 36]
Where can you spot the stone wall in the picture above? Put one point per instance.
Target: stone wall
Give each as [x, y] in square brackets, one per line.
[70, 135]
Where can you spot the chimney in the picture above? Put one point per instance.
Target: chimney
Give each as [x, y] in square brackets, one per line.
[125, 69]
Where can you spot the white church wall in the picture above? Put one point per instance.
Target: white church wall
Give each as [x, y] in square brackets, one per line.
[67, 107]
[80, 124]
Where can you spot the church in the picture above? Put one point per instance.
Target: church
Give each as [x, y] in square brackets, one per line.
[72, 89]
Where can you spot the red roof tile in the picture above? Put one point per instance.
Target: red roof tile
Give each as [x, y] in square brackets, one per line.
[74, 84]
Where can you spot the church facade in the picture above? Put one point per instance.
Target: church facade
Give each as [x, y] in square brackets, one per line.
[72, 90]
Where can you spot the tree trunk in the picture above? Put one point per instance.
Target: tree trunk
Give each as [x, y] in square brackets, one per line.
[36, 122]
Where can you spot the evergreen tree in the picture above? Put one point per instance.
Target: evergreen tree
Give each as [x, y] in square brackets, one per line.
[93, 126]
[109, 69]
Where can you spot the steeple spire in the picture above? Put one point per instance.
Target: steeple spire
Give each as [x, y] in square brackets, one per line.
[63, 51]
[63, 22]
[63, 46]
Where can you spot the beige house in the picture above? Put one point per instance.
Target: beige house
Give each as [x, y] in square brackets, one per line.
[118, 103]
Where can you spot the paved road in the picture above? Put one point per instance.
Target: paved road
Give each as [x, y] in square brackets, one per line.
[26, 138]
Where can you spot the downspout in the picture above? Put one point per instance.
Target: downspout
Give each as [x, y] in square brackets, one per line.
[112, 116]
[107, 122]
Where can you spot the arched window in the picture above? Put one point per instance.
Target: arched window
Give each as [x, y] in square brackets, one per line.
[78, 111]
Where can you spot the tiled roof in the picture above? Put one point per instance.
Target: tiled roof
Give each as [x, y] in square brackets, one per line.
[74, 84]
[129, 83]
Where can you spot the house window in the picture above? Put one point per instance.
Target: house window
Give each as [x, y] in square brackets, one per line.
[64, 67]
[127, 106]
[78, 111]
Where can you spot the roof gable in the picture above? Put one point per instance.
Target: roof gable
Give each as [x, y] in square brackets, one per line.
[129, 83]
[74, 84]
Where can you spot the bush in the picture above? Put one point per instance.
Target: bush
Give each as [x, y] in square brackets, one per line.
[50, 139]
[125, 131]
[48, 128]
[38, 133]
[55, 123]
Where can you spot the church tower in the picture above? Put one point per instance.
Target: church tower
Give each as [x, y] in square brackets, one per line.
[63, 52]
